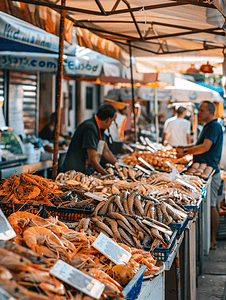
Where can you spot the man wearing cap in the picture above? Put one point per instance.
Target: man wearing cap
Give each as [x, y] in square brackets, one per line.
[88, 143]
[176, 131]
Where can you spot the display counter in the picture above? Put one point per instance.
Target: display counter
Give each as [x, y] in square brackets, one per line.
[27, 168]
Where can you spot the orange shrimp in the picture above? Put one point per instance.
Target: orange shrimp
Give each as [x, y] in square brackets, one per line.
[99, 275]
[73, 236]
[34, 236]
[20, 219]
[12, 261]
[127, 248]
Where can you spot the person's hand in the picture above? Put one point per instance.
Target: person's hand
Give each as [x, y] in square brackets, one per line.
[180, 151]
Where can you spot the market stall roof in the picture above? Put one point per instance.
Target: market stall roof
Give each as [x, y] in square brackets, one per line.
[160, 28]
[185, 90]
[27, 47]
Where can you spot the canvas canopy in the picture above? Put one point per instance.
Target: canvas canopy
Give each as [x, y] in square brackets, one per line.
[159, 28]
[152, 29]
[27, 47]
[182, 91]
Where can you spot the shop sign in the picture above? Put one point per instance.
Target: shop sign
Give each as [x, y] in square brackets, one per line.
[28, 62]
[18, 31]
[78, 66]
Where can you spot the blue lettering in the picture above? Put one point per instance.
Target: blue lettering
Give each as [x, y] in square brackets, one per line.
[71, 65]
[88, 67]
[42, 64]
[33, 63]
[16, 35]
[82, 66]
[51, 65]
[95, 68]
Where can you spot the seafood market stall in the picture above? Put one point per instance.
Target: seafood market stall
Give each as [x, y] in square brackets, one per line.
[147, 213]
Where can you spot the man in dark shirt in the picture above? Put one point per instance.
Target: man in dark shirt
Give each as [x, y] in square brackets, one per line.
[88, 144]
[208, 150]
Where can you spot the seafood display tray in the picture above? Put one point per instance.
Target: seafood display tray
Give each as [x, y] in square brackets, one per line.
[196, 206]
[66, 214]
[132, 289]
[180, 226]
[163, 253]
[9, 208]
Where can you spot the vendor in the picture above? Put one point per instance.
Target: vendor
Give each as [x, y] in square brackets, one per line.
[47, 132]
[88, 144]
[208, 149]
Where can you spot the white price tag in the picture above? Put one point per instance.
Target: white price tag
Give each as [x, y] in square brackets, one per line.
[6, 231]
[95, 196]
[77, 279]
[111, 249]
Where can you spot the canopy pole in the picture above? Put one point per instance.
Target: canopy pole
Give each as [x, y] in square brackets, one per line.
[156, 115]
[58, 91]
[133, 98]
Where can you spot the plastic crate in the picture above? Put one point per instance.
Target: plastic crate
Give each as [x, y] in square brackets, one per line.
[132, 289]
[163, 253]
[180, 226]
[66, 214]
[9, 208]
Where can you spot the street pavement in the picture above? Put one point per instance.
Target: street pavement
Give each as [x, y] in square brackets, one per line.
[212, 283]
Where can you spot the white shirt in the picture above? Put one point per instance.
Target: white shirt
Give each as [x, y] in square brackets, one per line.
[177, 130]
[114, 130]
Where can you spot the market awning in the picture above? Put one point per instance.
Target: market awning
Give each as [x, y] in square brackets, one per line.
[111, 26]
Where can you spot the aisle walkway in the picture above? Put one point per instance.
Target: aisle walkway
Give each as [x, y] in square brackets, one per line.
[212, 283]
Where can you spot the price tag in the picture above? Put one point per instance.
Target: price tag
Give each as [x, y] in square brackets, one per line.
[111, 249]
[146, 163]
[95, 196]
[77, 279]
[143, 169]
[5, 295]
[6, 231]
[162, 229]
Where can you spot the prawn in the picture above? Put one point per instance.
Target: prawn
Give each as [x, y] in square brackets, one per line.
[37, 235]
[73, 236]
[101, 275]
[12, 261]
[20, 219]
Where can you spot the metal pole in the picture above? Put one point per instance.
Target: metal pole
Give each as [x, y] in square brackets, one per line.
[133, 98]
[185, 263]
[156, 115]
[58, 90]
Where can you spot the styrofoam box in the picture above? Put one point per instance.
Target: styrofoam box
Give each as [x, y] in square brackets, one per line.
[33, 156]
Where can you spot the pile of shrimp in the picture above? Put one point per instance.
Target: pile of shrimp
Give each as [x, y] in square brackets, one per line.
[53, 239]
[25, 275]
[29, 189]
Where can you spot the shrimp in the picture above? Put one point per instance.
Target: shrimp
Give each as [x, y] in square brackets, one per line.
[44, 280]
[20, 292]
[37, 235]
[74, 236]
[20, 219]
[101, 275]
[13, 261]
